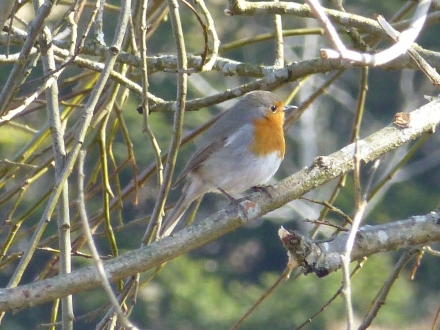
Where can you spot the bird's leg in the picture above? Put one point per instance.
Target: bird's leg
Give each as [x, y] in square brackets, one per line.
[234, 201]
[229, 197]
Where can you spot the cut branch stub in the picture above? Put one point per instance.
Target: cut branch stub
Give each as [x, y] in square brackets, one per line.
[324, 257]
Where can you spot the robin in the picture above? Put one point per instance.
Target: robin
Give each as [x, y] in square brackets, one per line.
[243, 149]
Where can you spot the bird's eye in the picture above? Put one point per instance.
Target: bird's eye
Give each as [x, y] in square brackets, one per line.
[273, 108]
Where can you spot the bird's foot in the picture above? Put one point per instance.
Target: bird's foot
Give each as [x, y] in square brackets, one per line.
[262, 190]
[236, 202]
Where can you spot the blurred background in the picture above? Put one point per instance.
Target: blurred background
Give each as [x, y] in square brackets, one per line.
[212, 287]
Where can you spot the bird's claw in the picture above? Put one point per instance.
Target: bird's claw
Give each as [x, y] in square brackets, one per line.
[262, 190]
[235, 202]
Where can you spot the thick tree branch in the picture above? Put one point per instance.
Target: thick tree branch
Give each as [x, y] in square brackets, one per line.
[319, 258]
[325, 257]
[363, 24]
[224, 65]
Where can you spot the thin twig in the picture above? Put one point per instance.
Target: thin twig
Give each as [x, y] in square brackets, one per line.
[398, 166]
[208, 65]
[59, 151]
[279, 49]
[92, 247]
[146, 110]
[205, 33]
[182, 79]
[346, 257]
[429, 71]
[332, 208]
[386, 287]
[266, 294]
[337, 293]
[268, 36]
[79, 139]
[385, 56]
[436, 318]
[431, 251]
[128, 287]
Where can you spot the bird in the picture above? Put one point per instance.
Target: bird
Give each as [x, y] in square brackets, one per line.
[242, 149]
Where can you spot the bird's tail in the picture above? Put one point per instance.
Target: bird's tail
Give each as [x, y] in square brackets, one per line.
[176, 213]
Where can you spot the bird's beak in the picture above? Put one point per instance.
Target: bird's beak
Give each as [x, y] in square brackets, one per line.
[289, 108]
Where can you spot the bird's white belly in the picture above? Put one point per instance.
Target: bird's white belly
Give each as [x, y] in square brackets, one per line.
[243, 173]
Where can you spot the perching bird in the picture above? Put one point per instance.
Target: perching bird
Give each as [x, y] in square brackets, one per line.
[243, 149]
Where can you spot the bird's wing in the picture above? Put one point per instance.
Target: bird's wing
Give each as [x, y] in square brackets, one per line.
[214, 139]
[199, 157]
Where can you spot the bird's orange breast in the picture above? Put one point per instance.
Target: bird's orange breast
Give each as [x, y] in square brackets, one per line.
[268, 133]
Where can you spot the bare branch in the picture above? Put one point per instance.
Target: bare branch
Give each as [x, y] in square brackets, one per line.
[323, 258]
[385, 290]
[385, 56]
[93, 250]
